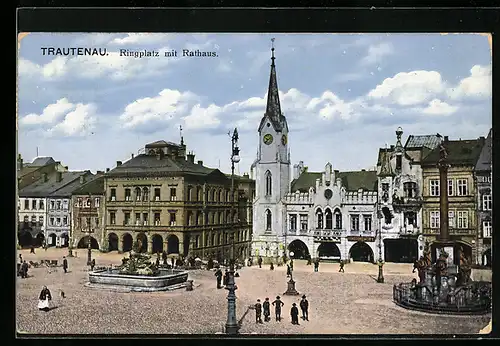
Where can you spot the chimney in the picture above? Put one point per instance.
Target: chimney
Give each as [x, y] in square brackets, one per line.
[200, 162]
[66, 168]
[160, 154]
[446, 138]
[190, 157]
[132, 156]
[118, 163]
[392, 146]
[107, 170]
[245, 175]
[45, 177]
[99, 172]
[58, 177]
[82, 179]
[363, 170]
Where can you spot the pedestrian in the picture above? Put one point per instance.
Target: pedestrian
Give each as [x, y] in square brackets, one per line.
[44, 299]
[267, 310]
[218, 275]
[277, 308]
[341, 270]
[288, 270]
[309, 262]
[271, 266]
[24, 270]
[258, 312]
[304, 306]
[226, 277]
[158, 260]
[316, 264]
[92, 264]
[20, 258]
[294, 312]
[32, 250]
[259, 261]
[65, 264]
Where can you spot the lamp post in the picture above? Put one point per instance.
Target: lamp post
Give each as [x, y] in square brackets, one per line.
[89, 253]
[231, 323]
[380, 278]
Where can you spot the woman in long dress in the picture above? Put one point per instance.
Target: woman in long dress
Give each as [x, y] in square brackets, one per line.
[44, 299]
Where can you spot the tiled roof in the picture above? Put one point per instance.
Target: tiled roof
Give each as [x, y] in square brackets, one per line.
[161, 143]
[420, 141]
[26, 170]
[352, 181]
[484, 161]
[461, 152]
[93, 185]
[40, 188]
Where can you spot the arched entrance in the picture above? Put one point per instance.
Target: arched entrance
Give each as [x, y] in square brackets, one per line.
[112, 242]
[84, 243]
[144, 242]
[25, 239]
[52, 240]
[173, 244]
[329, 250]
[39, 239]
[299, 249]
[401, 250]
[361, 252]
[486, 258]
[64, 240]
[127, 242]
[157, 243]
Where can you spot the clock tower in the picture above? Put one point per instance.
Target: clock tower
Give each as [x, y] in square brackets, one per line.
[272, 169]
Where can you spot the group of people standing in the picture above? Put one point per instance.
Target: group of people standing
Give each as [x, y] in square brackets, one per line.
[265, 308]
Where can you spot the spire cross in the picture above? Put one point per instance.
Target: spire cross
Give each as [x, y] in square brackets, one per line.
[272, 49]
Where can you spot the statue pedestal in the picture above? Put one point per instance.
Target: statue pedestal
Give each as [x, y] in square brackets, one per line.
[291, 291]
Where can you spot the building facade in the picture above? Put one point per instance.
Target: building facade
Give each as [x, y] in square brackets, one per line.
[170, 203]
[32, 211]
[484, 202]
[400, 197]
[28, 173]
[462, 157]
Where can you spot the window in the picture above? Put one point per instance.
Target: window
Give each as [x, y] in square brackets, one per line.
[40, 219]
[197, 241]
[58, 205]
[319, 219]
[42, 204]
[65, 204]
[487, 229]
[411, 218]
[399, 162]
[450, 187]
[303, 222]
[451, 219]
[58, 221]
[113, 194]
[213, 240]
[126, 218]
[189, 192]
[368, 222]
[354, 222]
[269, 182]
[97, 202]
[88, 202]
[199, 194]
[128, 195]
[461, 187]
[145, 194]
[268, 220]
[221, 196]
[145, 219]
[212, 218]
[33, 220]
[157, 193]
[293, 222]
[227, 196]
[112, 218]
[27, 204]
[172, 219]
[173, 194]
[328, 217]
[190, 218]
[486, 201]
[26, 219]
[410, 189]
[434, 218]
[65, 220]
[463, 219]
[434, 185]
[137, 219]
[221, 218]
[88, 222]
[33, 204]
[137, 194]
[79, 202]
[96, 221]
[157, 219]
[52, 205]
[338, 219]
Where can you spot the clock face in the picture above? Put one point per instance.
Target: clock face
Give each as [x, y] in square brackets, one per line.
[283, 139]
[268, 139]
[328, 193]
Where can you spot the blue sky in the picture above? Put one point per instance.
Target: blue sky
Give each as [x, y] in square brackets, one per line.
[343, 95]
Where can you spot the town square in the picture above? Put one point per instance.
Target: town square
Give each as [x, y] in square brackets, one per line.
[362, 206]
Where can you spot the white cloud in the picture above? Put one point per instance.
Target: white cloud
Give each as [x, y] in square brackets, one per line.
[78, 122]
[141, 38]
[376, 52]
[49, 115]
[438, 107]
[477, 85]
[409, 88]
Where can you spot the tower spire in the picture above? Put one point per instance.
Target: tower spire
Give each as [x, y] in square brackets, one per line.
[273, 109]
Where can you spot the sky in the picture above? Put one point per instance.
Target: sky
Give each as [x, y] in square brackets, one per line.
[344, 95]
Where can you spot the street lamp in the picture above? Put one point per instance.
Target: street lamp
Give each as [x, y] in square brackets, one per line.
[380, 278]
[231, 324]
[89, 253]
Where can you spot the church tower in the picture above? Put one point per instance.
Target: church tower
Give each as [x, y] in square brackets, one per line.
[272, 169]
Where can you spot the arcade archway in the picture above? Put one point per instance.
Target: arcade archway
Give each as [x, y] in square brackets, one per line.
[25, 239]
[157, 243]
[299, 249]
[127, 242]
[329, 250]
[52, 240]
[141, 237]
[38, 241]
[400, 250]
[84, 243]
[173, 244]
[112, 242]
[361, 252]
[64, 240]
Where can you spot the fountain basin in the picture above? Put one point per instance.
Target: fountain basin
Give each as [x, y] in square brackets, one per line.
[164, 280]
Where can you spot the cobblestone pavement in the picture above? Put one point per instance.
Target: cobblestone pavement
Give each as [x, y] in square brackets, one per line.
[347, 303]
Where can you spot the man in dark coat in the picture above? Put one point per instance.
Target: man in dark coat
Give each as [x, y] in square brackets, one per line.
[24, 270]
[218, 274]
[341, 270]
[267, 310]
[271, 266]
[258, 312]
[92, 264]
[65, 264]
[294, 312]
[316, 264]
[277, 308]
[259, 261]
[226, 277]
[32, 250]
[304, 306]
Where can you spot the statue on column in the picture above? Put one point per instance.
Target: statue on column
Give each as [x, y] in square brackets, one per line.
[464, 269]
[423, 263]
[443, 153]
[441, 267]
